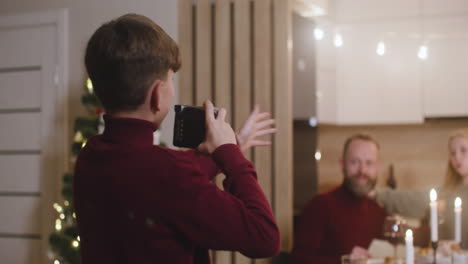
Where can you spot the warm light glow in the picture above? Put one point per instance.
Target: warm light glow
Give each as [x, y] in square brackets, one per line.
[318, 155]
[409, 234]
[89, 85]
[458, 202]
[78, 137]
[338, 40]
[62, 216]
[56, 261]
[380, 48]
[58, 208]
[66, 203]
[423, 52]
[58, 225]
[319, 34]
[433, 195]
[75, 243]
[74, 215]
[78, 238]
[83, 144]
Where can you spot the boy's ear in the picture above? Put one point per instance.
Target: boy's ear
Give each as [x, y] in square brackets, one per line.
[155, 98]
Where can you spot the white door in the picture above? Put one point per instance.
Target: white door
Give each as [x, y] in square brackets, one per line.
[30, 138]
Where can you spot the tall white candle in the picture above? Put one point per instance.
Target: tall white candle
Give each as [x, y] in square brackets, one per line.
[409, 247]
[434, 222]
[458, 210]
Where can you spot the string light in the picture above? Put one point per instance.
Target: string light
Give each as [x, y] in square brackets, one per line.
[58, 225]
[62, 216]
[74, 215]
[75, 243]
[83, 144]
[78, 136]
[66, 203]
[78, 238]
[56, 261]
[58, 208]
[89, 85]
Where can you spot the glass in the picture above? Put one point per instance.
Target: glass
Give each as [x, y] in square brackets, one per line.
[394, 231]
[348, 259]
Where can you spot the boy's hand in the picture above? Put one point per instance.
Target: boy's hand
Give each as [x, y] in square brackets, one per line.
[218, 132]
[257, 125]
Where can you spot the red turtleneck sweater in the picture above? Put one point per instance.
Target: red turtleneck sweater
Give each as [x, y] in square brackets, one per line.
[332, 224]
[139, 203]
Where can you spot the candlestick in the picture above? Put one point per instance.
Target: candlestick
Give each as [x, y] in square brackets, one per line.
[409, 247]
[434, 222]
[434, 249]
[458, 210]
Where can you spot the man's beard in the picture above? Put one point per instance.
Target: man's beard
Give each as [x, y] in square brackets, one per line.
[359, 189]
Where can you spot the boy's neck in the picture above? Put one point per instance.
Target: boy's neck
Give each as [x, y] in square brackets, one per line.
[136, 115]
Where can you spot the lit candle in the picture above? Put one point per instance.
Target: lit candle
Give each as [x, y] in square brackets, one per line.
[433, 205]
[409, 247]
[458, 210]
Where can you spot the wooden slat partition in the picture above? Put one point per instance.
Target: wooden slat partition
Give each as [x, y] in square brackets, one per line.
[262, 90]
[241, 57]
[283, 153]
[185, 25]
[223, 80]
[203, 55]
[242, 76]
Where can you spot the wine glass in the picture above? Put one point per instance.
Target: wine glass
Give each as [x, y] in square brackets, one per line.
[394, 231]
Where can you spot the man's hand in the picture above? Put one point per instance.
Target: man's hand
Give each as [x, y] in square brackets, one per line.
[257, 125]
[218, 132]
[359, 252]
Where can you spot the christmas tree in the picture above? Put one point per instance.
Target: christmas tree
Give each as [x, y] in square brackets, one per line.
[65, 241]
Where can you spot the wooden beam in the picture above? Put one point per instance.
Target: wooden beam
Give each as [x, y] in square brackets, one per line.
[203, 57]
[186, 49]
[223, 81]
[262, 92]
[283, 154]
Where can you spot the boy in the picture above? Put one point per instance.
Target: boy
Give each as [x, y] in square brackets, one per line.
[139, 203]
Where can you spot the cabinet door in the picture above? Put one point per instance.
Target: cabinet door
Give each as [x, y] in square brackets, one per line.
[445, 73]
[375, 89]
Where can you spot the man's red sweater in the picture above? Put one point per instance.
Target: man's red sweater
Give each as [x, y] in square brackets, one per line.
[139, 203]
[332, 224]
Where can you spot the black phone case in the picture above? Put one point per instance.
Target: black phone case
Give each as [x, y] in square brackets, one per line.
[189, 126]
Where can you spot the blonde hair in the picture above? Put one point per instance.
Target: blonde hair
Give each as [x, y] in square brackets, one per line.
[452, 178]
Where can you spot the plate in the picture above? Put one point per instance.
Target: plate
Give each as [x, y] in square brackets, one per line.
[375, 261]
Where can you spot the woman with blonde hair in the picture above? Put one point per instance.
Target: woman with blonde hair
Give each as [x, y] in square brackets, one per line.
[415, 203]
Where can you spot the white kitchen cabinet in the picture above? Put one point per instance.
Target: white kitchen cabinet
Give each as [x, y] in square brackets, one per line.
[445, 73]
[371, 89]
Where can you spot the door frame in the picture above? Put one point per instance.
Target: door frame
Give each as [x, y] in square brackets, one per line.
[59, 19]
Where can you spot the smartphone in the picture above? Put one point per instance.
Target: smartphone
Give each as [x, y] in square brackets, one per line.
[189, 126]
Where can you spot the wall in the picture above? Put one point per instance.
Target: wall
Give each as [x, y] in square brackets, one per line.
[84, 17]
[418, 152]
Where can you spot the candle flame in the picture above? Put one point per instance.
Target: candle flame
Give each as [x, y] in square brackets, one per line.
[458, 202]
[433, 195]
[409, 233]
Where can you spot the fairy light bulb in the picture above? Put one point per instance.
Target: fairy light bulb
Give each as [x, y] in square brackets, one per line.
[89, 85]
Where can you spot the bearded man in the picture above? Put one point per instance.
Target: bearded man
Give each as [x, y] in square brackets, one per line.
[343, 220]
